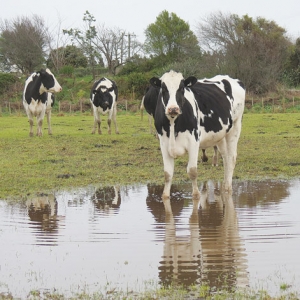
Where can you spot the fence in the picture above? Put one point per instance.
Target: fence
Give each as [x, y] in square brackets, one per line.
[259, 104]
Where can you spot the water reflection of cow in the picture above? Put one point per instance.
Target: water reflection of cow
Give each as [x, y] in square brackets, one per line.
[42, 211]
[107, 198]
[212, 253]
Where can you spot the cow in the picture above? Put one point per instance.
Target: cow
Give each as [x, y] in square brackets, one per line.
[149, 102]
[38, 98]
[193, 113]
[103, 97]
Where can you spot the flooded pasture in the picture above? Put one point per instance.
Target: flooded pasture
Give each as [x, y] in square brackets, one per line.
[125, 238]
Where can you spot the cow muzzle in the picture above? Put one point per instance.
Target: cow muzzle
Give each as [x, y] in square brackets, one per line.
[173, 111]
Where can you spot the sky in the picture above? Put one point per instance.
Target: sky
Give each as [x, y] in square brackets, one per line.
[133, 16]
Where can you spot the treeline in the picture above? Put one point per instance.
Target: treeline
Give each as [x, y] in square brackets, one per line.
[255, 50]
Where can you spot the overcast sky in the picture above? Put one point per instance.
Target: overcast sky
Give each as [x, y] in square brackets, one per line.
[134, 16]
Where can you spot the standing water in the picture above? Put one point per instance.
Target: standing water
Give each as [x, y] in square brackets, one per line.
[126, 238]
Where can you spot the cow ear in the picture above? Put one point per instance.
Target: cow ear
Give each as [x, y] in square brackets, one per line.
[190, 81]
[156, 82]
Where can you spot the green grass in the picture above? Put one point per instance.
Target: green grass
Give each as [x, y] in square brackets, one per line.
[72, 156]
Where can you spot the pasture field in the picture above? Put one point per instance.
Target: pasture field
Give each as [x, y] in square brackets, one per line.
[73, 157]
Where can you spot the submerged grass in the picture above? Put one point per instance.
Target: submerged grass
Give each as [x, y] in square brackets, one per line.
[72, 156]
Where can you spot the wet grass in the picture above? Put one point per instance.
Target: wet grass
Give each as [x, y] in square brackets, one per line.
[268, 148]
[72, 156]
[202, 292]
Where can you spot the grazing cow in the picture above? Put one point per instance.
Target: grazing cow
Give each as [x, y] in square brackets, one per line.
[38, 98]
[192, 113]
[104, 96]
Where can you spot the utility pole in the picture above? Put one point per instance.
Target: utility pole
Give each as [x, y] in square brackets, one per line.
[129, 35]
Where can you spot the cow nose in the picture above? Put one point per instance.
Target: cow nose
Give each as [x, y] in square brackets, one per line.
[173, 111]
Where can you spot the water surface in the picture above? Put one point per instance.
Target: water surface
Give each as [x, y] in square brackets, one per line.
[96, 239]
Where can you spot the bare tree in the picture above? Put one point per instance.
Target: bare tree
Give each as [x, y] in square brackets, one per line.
[56, 42]
[109, 43]
[23, 43]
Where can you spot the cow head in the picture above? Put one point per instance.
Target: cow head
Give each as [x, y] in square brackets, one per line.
[103, 97]
[48, 82]
[172, 86]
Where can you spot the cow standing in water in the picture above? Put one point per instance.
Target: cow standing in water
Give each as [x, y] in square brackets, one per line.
[103, 97]
[149, 102]
[38, 98]
[192, 114]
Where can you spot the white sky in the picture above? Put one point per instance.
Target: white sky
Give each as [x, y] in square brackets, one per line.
[134, 16]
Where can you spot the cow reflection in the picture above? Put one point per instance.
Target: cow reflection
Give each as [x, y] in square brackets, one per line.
[223, 254]
[212, 252]
[107, 198]
[42, 210]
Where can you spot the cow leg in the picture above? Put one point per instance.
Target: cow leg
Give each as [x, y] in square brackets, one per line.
[114, 117]
[215, 156]
[40, 119]
[97, 121]
[109, 124]
[39, 127]
[228, 149]
[30, 125]
[168, 171]
[204, 157]
[49, 121]
[192, 169]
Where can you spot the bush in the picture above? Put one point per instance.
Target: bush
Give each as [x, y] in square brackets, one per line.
[6, 80]
[67, 71]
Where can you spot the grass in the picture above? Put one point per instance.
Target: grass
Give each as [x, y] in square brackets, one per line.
[72, 156]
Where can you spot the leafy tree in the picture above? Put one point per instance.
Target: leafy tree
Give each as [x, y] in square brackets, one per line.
[85, 39]
[22, 43]
[254, 50]
[170, 36]
[98, 42]
[71, 56]
[292, 71]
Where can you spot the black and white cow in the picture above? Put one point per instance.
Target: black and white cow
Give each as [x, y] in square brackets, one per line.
[149, 102]
[104, 96]
[38, 98]
[192, 114]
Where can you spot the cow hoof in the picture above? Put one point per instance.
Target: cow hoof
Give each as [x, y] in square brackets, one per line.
[31, 134]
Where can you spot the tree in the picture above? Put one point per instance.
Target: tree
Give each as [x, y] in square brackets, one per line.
[292, 71]
[170, 36]
[253, 50]
[22, 43]
[70, 56]
[85, 39]
[98, 41]
[57, 44]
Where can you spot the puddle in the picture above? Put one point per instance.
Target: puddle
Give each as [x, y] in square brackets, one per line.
[94, 239]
